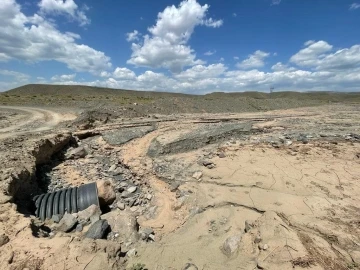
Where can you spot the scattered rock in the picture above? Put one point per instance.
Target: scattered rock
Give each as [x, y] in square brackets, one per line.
[76, 153]
[211, 166]
[179, 203]
[265, 247]
[79, 227]
[221, 155]
[288, 143]
[121, 205]
[197, 175]
[132, 189]
[207, 163]
[85, 215]
[97, 230]
[248, 225]
[131, 253]
[145, 233]
[112, 168]
[94, 218]
[4, 239]
[231, 245]
[56, 218]
[190, 266]
[257, 239]
[106, 192]
[149, 197]
[67, 223]
[174, 186]
[123, 223]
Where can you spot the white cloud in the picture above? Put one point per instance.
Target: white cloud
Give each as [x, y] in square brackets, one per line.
[35, 39]
[222, 59]
[132, 36]
[309, 42]
[124, 73]
[105, 74]
[67, 7]
[201, 72]
[208, 53]
[311, 55]
[281, 67]
[14, 74]
[255, 60]
[354, 6]
[213, 23]
[319, 56]
[234, 14]
[275, 2]
[236, 58]
[166, 46]
[65, 77]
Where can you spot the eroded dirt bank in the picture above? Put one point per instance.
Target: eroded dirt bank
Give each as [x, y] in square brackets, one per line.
[275, 190]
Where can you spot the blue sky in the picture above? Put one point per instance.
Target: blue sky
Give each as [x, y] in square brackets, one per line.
[190, 46]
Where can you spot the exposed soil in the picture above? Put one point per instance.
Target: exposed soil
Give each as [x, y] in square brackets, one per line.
[256, 190]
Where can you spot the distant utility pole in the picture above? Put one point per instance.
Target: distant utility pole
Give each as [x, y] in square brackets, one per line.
[271, 89]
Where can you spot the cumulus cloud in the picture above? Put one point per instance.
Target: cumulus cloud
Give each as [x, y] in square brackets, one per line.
[255, 60]
[65, 7]
[124, 73]
[319, 55]
[324, 69]
[65, 77]
[166, 45]
[354, 6]
[208, 53]
[132, 36]
[311, 55]
[33, 39]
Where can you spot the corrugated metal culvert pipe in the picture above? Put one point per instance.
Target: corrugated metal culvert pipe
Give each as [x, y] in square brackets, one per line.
[70, 200]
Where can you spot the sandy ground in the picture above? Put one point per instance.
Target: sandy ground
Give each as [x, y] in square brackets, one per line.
[23, 120]
[293, 204]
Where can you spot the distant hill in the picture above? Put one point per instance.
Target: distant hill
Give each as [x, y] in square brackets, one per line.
[148, 102]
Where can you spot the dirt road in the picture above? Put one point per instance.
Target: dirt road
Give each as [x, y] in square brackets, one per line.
[25, 119]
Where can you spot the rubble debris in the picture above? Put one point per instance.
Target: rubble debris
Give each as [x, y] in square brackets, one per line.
[197, 175]
[86, 215]
[106, 192]
[231, 245]
[248, 225]
[67, 223]
[4, 239]
[76, 153]
[97, 230]
[174, 186]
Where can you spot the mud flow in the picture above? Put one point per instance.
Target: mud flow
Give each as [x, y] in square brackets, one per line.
[270, 190]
